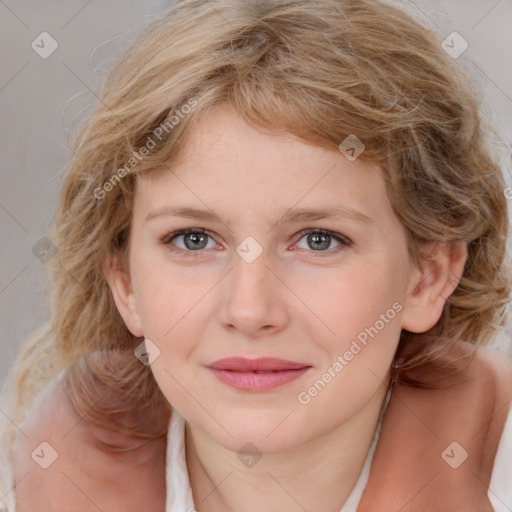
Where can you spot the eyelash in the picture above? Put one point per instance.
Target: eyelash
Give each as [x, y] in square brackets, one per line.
[166, 240]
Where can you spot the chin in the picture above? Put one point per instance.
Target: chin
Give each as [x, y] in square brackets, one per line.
[267, 432]
[248, 443]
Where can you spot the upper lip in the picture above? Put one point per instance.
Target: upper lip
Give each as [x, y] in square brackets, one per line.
[241, 364]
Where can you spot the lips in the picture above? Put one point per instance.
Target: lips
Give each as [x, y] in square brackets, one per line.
[261, 365]
[257, 375]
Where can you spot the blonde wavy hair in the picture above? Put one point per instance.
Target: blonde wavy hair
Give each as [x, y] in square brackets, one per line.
[319, 69]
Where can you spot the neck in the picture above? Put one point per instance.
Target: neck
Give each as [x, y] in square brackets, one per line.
[317, 475]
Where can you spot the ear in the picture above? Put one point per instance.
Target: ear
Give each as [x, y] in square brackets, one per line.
[431, 284]
[120, 284]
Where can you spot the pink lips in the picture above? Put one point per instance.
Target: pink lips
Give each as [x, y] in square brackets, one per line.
[246, 374]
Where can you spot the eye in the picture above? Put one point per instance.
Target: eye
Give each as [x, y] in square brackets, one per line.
[320, 239]
[194, 240]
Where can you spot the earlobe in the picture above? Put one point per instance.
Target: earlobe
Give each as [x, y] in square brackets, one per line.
[122, 292]
[432, 283]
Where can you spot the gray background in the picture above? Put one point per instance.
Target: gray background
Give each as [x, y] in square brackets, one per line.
[41, 100]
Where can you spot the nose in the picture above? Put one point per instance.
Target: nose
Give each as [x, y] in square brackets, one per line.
[254, 302]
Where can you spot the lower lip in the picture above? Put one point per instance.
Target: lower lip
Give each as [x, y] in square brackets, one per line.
[248, 381]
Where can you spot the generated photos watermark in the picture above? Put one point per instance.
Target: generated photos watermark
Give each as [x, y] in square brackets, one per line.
[158, 133]
[357, 345]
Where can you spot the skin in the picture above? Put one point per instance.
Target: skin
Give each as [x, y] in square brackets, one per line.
[86, 476]
[294, 302]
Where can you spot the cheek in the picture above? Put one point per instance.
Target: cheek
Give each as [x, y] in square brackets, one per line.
[170, 309]
[354, 299]
[174, 308]
[359, 333]
[165, 293]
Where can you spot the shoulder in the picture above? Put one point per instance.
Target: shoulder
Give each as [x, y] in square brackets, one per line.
[64, 461]
[500, 490]
[500, 366]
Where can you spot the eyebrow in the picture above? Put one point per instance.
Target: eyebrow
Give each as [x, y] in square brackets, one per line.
[294, 215]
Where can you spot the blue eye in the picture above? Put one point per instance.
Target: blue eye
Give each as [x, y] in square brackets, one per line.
[195, 240]
[320, 239]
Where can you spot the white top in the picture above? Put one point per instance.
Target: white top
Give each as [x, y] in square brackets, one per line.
[179, 493]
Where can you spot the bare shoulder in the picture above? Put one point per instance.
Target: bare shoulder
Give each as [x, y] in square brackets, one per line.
[499, 366]
[63, 461]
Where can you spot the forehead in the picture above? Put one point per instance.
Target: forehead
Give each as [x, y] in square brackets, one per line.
[228, 163]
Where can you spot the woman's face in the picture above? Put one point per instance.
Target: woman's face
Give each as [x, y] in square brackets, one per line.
[258, 284]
